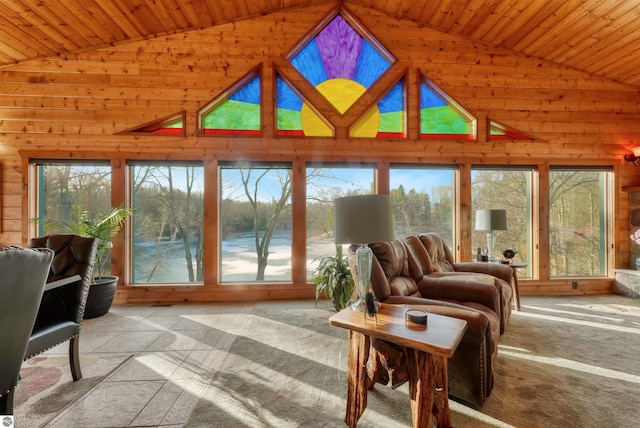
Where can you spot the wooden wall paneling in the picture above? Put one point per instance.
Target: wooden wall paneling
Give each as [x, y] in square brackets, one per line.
[120, 253]
[211, 220]
[595, 35]
[613, 191]
[463, 215]
[562, 287]
[381, 178]
[412, 104]
[268, 98]
[28, 194]
[299, 223]
[72, 107]
[541, 268]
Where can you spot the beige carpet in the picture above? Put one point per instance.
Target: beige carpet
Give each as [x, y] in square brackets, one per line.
[564, 362]
[46, 387]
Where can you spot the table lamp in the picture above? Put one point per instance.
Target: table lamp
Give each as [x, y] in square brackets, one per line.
[491, 220]
[363, 219]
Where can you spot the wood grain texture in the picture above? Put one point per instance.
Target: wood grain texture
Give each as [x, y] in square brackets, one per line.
[73, 106]
[596, 36]
[440, 336]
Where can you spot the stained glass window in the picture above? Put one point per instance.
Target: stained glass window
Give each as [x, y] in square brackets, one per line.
[171, 125]
[387, 119]
[295, 117]
[236, 112]
[497, 131]
[441, 117]
[342, 64]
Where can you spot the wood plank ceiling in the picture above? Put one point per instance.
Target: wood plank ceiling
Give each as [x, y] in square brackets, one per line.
[601, 37]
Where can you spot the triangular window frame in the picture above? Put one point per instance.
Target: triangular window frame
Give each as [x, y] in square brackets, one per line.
[509, 133]
[159, 127]
[362, 32]
[386, 135]
[295, 133]
[450, 102]
[224, 96]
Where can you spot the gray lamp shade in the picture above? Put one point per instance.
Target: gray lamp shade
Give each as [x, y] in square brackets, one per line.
[491, 220]
[362, 219]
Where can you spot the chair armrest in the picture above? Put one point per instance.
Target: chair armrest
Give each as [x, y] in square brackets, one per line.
[460, 290]
[504, 272]
[60, 282]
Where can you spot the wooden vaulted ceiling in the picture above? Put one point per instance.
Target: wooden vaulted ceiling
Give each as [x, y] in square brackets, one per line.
[600, 37]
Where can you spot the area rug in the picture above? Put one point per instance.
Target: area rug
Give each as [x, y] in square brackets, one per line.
[46, 387]
[562, 362]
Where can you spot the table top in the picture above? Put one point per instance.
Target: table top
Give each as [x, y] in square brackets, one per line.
[517, 264]
[441, 336]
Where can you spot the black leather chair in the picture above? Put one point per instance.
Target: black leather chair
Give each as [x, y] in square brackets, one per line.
[23, 273]
[62, 309]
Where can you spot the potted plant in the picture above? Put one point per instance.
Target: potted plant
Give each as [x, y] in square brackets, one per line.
[103, 227]
[333, 278]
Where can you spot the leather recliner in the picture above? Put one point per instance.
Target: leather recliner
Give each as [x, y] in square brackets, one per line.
[471, 367]
[62, 309]
[22, 280]
[439, 263]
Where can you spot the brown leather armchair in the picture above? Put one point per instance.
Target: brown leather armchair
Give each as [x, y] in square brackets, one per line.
[23, 276]
[439, 263]
[61, 311]
[471, 367]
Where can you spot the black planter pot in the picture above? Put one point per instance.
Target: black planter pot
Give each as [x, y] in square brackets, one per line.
[101, 295]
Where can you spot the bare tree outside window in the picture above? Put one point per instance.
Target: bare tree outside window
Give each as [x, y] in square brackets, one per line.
[510, 190]
[255, 221]
[168, 224]
[324, 185]
[577, 218]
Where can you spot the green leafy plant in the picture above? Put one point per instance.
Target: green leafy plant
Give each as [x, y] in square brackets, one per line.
[103, 227]
[333, 278]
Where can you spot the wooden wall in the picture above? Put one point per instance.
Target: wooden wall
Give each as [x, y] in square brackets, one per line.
[75, 106]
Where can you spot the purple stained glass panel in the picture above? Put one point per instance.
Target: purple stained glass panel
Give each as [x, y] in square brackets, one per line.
[339, 46]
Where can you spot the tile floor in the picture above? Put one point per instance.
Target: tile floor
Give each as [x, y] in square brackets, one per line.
[176, 349]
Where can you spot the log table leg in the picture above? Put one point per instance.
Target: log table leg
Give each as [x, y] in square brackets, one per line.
[390, 343]
[357, 378]
[428, 390]
[421, 388]
[441, 399]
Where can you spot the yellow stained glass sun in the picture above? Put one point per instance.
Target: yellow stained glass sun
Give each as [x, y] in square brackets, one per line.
[342, 93]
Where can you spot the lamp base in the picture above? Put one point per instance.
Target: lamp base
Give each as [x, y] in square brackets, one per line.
[364, 257]
[491, 242]
[358, 305]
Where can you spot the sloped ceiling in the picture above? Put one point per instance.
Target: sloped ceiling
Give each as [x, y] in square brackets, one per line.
[600, 37]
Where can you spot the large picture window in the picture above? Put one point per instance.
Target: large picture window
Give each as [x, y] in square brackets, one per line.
[255, 222]
[167, 199]
[577, 222]
[508, 189]
[324, 184]
[70, 193]
[69, 190]
[422, 199]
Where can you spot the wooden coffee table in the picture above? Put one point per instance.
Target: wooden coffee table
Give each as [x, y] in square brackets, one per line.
[428, 349]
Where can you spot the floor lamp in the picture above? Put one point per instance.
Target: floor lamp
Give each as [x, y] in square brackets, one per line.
[491, 220]
[363, 219]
